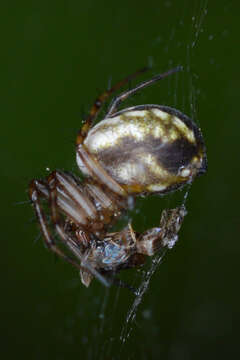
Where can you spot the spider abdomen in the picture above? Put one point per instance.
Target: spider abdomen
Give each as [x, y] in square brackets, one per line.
[148, 148]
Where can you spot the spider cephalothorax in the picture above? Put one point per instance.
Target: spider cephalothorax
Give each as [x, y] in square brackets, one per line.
[139, 150]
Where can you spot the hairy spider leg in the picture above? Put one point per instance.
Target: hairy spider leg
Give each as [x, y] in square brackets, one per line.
[97, 106]
[37, 190]
[72, 200]
[70, 243]
[120, 98]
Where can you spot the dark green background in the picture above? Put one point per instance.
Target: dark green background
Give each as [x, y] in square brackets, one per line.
[56, 57]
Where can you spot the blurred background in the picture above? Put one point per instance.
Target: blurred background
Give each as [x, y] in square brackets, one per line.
[57, 56]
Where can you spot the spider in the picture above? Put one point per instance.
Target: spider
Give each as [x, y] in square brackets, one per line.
[140, 150]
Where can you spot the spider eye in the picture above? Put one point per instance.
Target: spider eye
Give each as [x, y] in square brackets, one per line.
[148, 149]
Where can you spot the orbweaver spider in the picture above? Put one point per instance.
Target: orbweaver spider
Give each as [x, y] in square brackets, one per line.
[139, 150]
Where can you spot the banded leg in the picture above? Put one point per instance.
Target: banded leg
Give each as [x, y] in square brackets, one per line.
[164, 236]
[67, 240]
[116, 102]
[89, 164]
[71, 199]
[37, 190]
[99, 103]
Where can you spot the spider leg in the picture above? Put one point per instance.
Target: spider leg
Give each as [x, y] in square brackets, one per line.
[67, 240]
[37, 190]
[116, 102]
[97, 106]
[133, 236]
[97, 171]
[71, 198]
[164, 236]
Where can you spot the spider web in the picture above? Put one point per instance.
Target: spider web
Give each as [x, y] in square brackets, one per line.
[146, 278]
[183, 95]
